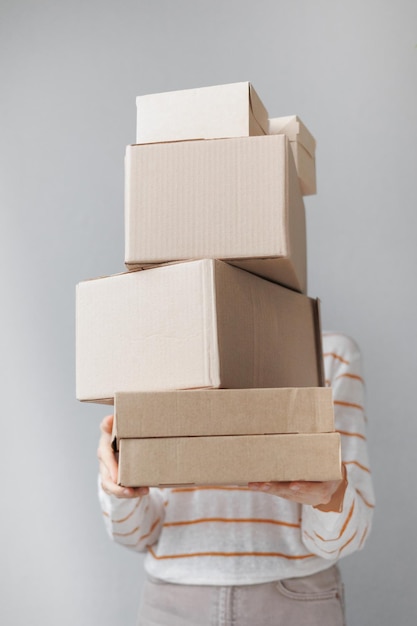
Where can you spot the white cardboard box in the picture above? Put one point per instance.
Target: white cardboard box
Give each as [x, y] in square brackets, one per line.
[232, 199]
[193, 325]
[233, 110]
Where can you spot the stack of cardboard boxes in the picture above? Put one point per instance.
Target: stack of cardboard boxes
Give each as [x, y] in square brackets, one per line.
[208, 346]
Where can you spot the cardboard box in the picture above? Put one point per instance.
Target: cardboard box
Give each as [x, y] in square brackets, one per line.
[303, 147]
[233, 110]
[193, 325]
[232, 199]
[206, 412]
[229, 460]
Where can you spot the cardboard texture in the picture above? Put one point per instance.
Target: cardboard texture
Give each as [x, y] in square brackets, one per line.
[193, 325]
[229, 460]
[233, 110]
[232, 199]
[207, 412]
[303, 147]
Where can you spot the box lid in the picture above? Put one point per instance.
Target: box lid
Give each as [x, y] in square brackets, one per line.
[230, 110]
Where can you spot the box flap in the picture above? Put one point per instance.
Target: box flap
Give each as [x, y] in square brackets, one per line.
[293, 127]
[281, 325]
[296, 221]
[258, 111]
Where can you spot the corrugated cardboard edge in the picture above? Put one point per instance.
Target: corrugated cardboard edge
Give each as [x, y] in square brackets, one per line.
[295, 216]
[77, 393]
[127, 197]
[319, 344]
[208, 282]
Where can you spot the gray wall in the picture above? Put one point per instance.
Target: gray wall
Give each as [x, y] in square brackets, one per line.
[69, 74]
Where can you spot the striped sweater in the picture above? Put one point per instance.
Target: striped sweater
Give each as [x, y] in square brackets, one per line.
[236, 536]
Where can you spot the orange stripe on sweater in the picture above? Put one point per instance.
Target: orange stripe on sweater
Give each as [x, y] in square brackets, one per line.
[353, 376]
[338, 550]
[365, 532]
[336, 356]
[348, 542]
[360, 494]
[152, 528]
[352, 405]
[231, 520]
[348, 434]
[123, 519]
[131, 532]
[306, 534]
[230, 554]
[366, 469]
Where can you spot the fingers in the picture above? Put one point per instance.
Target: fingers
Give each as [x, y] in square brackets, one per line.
[105, 452]
[107, 458]
[108, 465]
[111, 488]
[106, 425]
[313, 493]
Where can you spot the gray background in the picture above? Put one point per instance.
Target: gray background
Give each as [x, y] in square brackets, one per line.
[70, 72]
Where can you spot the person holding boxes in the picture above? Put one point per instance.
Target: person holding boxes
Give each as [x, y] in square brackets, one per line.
[215, 217]
[264, 553]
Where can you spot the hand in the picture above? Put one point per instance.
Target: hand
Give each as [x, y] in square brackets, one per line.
[325, 496]
[108, 465]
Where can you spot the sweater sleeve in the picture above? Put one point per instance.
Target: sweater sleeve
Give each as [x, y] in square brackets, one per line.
[133, 522]
[329, 534]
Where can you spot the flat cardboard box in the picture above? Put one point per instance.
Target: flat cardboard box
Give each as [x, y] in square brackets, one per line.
[229, 460]
[303, 147]
[233, 110]
[201, 324]
[232, 199]
[206, 412]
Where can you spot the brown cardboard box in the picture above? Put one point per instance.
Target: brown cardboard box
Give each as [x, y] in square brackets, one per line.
[206, 412]
[303, 147]
[232, 199]
[233, 110]
[229, 460]
[193, 325]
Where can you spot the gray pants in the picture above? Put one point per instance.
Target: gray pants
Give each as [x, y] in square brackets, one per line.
[315, 600]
